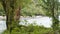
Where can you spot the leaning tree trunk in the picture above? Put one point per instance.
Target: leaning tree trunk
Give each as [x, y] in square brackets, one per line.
[12, 10]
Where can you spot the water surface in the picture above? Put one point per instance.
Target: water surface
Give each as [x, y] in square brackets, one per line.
[39, 20]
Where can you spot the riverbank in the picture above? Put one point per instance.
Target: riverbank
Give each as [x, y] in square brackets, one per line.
[2, 17]
[39, 20]
[24, 17]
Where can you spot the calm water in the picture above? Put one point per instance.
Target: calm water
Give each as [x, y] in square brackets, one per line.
[39, 20]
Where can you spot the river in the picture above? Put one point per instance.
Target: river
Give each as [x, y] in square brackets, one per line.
[39, 20]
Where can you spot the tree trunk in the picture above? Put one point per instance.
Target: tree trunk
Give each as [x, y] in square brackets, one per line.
[55, 19]
[12, 10]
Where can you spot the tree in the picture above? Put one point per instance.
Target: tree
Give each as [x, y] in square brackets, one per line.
[12, 9]
[52, 6]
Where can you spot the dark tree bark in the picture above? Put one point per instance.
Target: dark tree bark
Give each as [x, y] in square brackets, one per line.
[12, 10]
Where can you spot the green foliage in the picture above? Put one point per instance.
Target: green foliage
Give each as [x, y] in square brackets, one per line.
[29, 8]
[52, 6]
[2, 12]
[30, 29]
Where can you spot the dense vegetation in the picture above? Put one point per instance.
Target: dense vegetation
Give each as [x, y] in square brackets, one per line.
[30, 29]
[13, 9]
[2, 12]
[28, 10]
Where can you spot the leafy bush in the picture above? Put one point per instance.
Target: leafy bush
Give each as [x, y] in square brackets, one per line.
[30, 29]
